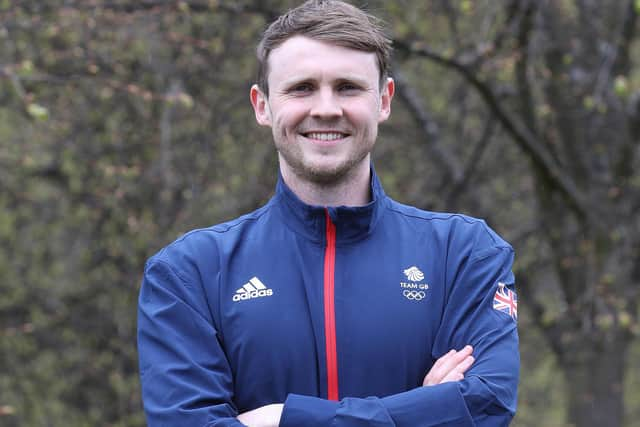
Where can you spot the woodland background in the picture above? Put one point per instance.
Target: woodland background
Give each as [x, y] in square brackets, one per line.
[124, 124]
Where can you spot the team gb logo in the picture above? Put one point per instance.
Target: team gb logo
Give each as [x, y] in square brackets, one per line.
[414, 274]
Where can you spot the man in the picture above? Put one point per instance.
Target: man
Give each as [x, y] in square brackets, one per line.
[332, 305]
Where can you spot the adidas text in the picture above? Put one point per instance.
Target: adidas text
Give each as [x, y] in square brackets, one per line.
[253, 294]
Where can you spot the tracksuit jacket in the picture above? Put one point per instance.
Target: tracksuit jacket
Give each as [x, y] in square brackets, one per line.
[337, 312]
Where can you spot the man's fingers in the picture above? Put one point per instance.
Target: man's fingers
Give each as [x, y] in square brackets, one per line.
[443, 359]
[466, 363]
[457, 373]
[450, 367]
[452, 359]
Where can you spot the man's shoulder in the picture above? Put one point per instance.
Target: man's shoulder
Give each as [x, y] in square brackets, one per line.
[436, 219]
[205, 242]
[455, 227]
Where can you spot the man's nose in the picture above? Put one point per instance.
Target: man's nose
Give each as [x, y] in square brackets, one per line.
[326, 104]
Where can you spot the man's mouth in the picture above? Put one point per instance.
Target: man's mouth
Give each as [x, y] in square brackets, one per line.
[325, 136]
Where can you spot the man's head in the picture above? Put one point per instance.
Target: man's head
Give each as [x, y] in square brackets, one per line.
[330, 21]
[325, 67]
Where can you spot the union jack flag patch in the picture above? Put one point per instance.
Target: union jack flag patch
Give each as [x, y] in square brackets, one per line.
[506, 300]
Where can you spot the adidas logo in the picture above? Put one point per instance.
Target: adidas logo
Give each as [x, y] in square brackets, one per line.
[254, 288]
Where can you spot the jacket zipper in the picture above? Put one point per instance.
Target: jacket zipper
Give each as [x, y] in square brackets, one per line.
[329, 310]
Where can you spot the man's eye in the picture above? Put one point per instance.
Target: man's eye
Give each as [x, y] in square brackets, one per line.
[348, 87]
[301, 88]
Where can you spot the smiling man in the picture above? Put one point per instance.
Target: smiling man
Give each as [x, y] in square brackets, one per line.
[324, 106]
[332, 305]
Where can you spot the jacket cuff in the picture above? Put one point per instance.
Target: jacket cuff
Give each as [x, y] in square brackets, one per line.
[443, 403]
[307, 411]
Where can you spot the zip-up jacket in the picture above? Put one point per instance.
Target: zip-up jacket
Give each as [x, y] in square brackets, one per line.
[338, 313]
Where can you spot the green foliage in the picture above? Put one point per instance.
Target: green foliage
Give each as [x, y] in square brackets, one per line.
[116, 127]
[123, 126]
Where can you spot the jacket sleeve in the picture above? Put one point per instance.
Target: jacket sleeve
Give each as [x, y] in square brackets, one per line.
[487, 394]
[186, 379]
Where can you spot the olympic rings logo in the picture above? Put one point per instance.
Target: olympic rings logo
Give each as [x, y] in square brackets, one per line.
[414, 295]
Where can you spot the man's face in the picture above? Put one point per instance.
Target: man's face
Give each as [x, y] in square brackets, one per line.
[324, 106]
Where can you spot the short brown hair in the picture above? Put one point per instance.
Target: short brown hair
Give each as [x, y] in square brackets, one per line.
[331, 21]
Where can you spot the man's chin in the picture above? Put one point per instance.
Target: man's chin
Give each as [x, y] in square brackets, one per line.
[329, 174]
[324, 170]
[326, 176]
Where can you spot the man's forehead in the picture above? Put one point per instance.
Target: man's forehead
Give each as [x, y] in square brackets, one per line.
[301, 43]
[303, 55]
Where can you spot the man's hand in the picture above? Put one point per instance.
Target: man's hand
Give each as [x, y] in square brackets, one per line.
[264, 416]
[450, 367]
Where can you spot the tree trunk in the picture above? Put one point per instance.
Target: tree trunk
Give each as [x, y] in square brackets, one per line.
[594, 371]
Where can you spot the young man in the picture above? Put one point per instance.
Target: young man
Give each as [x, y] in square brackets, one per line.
[332, 305]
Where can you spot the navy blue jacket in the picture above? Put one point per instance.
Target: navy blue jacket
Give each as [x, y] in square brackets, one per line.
[337, 312]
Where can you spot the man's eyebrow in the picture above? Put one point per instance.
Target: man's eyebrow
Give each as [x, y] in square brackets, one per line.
[298, 80]
[361, 81]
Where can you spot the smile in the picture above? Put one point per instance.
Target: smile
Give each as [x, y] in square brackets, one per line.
[325, 136]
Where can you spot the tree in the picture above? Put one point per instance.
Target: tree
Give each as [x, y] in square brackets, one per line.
[118, 127]
[569, 98]
[124, 124]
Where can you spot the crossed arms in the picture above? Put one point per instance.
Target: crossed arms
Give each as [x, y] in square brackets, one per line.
[449, 367]
[186, 378]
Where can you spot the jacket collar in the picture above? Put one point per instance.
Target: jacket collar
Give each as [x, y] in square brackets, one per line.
[352, 223]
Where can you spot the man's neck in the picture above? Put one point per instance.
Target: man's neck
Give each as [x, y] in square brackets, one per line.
[353, 189]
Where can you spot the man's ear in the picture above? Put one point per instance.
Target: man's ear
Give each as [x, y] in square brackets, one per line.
[260, 106]
[386, 95]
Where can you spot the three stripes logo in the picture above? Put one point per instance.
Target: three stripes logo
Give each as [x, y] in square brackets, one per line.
[254, 288]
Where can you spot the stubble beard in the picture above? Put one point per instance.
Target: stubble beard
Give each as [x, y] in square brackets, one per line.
[324, 176]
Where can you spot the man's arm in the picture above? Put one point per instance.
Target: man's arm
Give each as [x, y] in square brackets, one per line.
[185, 377]
[450, 367]
[487, 394]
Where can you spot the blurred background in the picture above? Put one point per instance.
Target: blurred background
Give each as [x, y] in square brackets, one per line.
[124, 124]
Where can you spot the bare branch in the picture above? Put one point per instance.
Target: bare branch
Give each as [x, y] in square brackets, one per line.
[624, 166]
[616, 56]
[527, 141]
[623, 44]
[525, 94]
[633, 112]
[551, 328]
[632, 150]
[472, 163]
[428, 125]
[515, 10]
[452, 20]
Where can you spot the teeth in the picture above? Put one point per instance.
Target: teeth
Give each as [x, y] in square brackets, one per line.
[325, 136]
